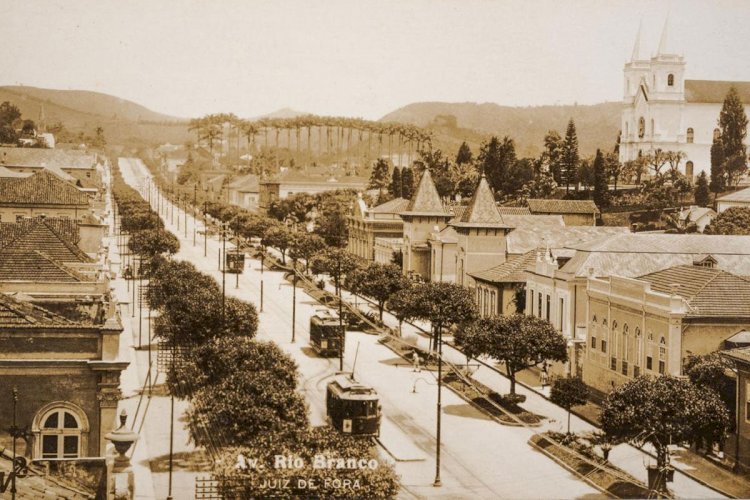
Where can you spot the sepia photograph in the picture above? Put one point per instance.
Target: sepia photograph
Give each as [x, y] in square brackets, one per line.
[397, 249]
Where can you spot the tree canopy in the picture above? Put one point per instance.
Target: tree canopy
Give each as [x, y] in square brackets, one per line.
[733, 125]
[733, 220]
[379, 282]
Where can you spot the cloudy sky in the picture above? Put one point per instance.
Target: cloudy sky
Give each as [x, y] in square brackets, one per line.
[357, 57]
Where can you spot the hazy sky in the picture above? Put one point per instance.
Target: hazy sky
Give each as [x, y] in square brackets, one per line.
[357, 58]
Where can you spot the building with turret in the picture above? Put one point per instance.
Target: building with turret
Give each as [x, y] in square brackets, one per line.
[664, 110]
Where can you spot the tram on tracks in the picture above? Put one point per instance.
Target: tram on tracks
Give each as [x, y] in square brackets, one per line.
[353, 408]
[325, 333]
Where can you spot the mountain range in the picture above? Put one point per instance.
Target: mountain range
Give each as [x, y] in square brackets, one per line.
[130, 124]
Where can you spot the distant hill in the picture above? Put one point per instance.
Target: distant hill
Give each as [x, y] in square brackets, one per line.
[123, 121]
[597, 125]
[284, 113]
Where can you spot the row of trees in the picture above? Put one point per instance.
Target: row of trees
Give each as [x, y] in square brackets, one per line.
[308, 134]
[244, 402]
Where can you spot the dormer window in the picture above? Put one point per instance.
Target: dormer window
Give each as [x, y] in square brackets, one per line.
[670, 80]
[690, 135]
[708, 261]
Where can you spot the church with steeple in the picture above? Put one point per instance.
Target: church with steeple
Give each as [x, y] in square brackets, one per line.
[664, 110]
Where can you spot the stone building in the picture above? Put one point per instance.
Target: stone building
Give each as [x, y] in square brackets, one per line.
[366, 225]
[650, 324]
[67, 373]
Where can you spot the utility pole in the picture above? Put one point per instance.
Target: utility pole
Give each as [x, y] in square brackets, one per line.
[171, 422]
[262, 258]
[437, 481]
[237, 250]
[205, 229]
[178, 212]
[184, 213]
[195, 205]
[294, 299]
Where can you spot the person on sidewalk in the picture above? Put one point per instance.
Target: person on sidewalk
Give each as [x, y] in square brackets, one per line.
[415, 358]
[544, 376]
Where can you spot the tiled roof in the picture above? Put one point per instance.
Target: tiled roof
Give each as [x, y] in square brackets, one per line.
[394, 206]
[482, 210]
[42, 188]
[41, 157]
[510, 271]
[514, 210]
[17, 313]
[714, 91]
[740, 354]
[708, 292]
[562, 206]
[35, 249]
[530, 237]
[538, 221]
[426, 200]
[660, 243]
[742, 195]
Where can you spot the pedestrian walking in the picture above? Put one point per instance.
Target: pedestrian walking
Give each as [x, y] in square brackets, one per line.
[544, 376]
[415, 358]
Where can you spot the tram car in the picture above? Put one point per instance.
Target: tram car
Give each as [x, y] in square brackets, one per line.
[353, 408]
[325, 333]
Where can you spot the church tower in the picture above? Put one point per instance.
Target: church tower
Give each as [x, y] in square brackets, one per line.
[423, 215]
[481, 235]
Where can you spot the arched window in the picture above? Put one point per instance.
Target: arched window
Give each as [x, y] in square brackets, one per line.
[61, 430]
[593, 320]
[670, 80]
[690, 135]
[641, 127]
[717, 133]
[689, 170]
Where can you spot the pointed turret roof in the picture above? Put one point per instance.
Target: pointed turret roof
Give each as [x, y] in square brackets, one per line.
[664, 40]
[482, 211]
[426, 200]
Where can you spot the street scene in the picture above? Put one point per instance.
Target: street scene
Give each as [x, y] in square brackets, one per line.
[205, 298]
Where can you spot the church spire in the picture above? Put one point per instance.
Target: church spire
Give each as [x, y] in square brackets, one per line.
[637, 45]
[664, 40]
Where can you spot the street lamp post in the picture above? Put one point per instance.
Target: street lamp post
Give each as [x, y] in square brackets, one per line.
[205, 228]
[262, 259]
[223, 274]
[171, 422]
[195, 204]
[437, 481]
[294, 299]
[342, 333]
[178, 212]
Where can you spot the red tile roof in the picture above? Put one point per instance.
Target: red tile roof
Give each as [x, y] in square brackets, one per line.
[41, 157]
[511, 271]
[709, 292]
[15, 313]
[42, 188]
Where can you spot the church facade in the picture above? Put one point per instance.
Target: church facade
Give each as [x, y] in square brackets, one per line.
[664, 110]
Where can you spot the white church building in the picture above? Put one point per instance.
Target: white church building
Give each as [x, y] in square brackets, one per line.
[663, 110]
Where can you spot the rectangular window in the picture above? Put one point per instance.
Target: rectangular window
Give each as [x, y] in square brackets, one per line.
[613, 363]
[604, 345]
[531, 305]
[49, 446]
[662, 353]
[539, 310]
[636, 370]
[548, 306]
[661, 367]
[624, 368]
[649, 363]
[70, 446]
[593, 342]
[561, 314]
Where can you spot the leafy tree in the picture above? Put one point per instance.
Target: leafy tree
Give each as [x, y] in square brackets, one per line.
[379, 282]
[244, 405]
[308, 444]
[543, 186]
[733, 125]
[614, 169]
[400, 305]
[379, 176]
[28, 128]
[464, 155]
[279, 237]
[442, 304]
[718, 175]
[407, 183]
[601, 187]
[661, 411]
[338, 263]
[495, 160]
[702, 193]
[396, 188]
[734, 220]
[586, 173]
[464, 177]
[305, 246]
[333, 228]
[569, 160]
[568, 392]
[440, 168]
[518, 340]
[520, 173]
[9, 113]
[152, 242]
